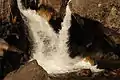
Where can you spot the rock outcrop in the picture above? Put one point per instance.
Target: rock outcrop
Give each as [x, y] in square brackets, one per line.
[33, 71]
[105, 11]
[30, 71]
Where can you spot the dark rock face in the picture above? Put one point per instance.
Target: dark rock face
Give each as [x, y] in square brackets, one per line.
[32, 4]
[30, 71]
[87, 36]
[106, 12]
[16, 37]
[56, 24]
[14, 32]
[51, 16]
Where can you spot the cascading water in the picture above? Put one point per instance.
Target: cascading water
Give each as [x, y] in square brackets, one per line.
[50, 49]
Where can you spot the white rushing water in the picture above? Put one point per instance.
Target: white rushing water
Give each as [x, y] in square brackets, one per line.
[50, 49]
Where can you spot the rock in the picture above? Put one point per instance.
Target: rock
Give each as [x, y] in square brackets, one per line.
[105, 11]
[15, 32]
[93, 76]
[85, 72]
[30, 71]
[4, 9]
[54, 3]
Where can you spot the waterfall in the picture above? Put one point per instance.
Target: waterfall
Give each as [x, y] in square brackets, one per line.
[50, 49]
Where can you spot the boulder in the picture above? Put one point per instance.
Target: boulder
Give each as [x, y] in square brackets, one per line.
[30, 71]
[105, 11]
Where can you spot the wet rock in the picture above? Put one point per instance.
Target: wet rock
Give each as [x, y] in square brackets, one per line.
[54, 3]
[85, 72]
[106, 12]
[30, 71]
[93, 76]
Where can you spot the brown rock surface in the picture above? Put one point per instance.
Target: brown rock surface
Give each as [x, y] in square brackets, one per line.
[79, 75]
[105, 11]
[4, 9]
[30, 71]
[55, 4]
[58, 5]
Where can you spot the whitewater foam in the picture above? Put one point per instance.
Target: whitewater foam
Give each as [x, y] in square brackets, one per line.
[50, 48]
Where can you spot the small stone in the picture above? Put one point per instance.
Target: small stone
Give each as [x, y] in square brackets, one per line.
[85, 72]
